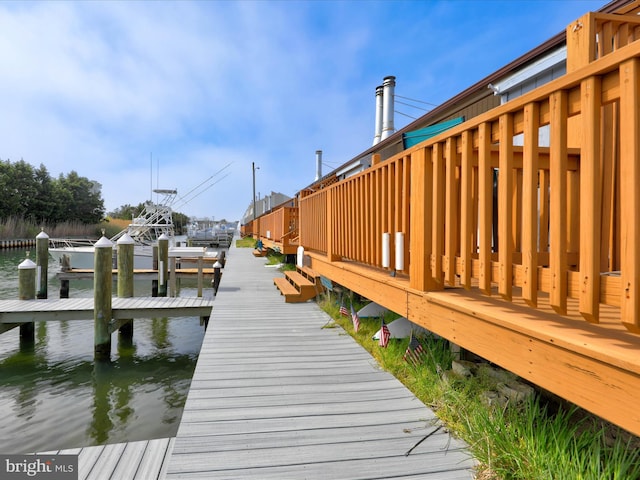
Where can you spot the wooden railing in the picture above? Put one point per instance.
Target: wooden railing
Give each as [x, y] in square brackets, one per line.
[595, 35]
[279, 226]
[488, 205]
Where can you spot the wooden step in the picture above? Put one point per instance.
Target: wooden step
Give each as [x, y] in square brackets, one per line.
[260, 253]
[311, 275]
[290, 293]
[298, 279]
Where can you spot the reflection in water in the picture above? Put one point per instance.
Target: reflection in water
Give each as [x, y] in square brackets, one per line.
[55, 396]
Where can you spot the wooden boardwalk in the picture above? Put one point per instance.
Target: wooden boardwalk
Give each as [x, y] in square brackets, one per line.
[276, 395]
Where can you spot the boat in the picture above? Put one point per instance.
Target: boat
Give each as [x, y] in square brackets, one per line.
[153, 221]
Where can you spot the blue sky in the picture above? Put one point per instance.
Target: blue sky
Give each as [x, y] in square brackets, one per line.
[148, 94]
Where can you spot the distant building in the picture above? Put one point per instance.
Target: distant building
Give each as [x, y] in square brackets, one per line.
[264, 205]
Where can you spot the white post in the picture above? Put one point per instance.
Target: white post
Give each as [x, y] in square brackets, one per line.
[399, 251]
[385, 250]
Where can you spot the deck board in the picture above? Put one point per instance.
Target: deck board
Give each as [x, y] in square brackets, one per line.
[275, 395]
[141, 460]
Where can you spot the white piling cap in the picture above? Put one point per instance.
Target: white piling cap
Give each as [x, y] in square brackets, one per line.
[42, 235]
[26, 265]
[125, 240]
[163, 237]
[217, 265]
[104, 242]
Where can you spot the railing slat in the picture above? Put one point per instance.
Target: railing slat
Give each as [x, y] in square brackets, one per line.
[530, 204]
[630, 192]
[485, 203]
[590, 200]
[558, 213]
[466, 206]
[406, 199]
[451, 213]
[505, 204]
[437, 227]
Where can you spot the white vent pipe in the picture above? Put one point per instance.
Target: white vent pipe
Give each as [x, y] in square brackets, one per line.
[388, 85]
[318, 165]
[379, 109]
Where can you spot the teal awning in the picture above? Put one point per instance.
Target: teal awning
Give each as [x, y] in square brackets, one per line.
[413, 138]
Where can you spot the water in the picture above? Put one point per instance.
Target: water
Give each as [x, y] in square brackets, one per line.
[54, 396]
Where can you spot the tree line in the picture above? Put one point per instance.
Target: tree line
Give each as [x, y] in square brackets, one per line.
[33, 194]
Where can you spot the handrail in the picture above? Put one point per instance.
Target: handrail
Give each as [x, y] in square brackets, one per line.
[487, 205]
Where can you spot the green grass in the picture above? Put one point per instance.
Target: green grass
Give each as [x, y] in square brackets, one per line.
[538, 439]
[246, 242]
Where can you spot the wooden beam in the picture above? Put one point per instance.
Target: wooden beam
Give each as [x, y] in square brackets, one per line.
[505, 206]
[530, 204]
[630, 192]
[420, 277]
[558, 213]
[437, 228]
[590, 200]
[466, 220]
[485, 202]
[451, 212]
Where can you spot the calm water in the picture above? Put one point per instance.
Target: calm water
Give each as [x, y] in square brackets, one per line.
[53, 395]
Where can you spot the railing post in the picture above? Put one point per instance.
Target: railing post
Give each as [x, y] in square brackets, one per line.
[590, 196]
[558, 159]
[630, 192]
[581, 42]
[420, 276]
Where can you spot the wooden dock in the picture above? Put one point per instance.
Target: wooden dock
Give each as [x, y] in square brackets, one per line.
[142, 460]
[276, 395]
[21, 311]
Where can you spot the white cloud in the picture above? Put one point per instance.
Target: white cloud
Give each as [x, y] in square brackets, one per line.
[98, 87]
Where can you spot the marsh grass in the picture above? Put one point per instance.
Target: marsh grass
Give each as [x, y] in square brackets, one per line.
[538, 439]
[19, 228]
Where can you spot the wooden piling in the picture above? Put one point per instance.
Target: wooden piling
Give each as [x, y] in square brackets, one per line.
[125, 283]
[42, 265]
[163, 264]
[102, 290]
[27, 291]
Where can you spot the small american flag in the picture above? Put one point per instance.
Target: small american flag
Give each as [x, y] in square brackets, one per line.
[343, 309]
[355, 319]
[385, 334]
[415, 353]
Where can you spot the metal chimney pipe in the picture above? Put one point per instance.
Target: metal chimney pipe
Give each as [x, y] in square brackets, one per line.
[379, 109]
[388, 85]
[318, 165]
